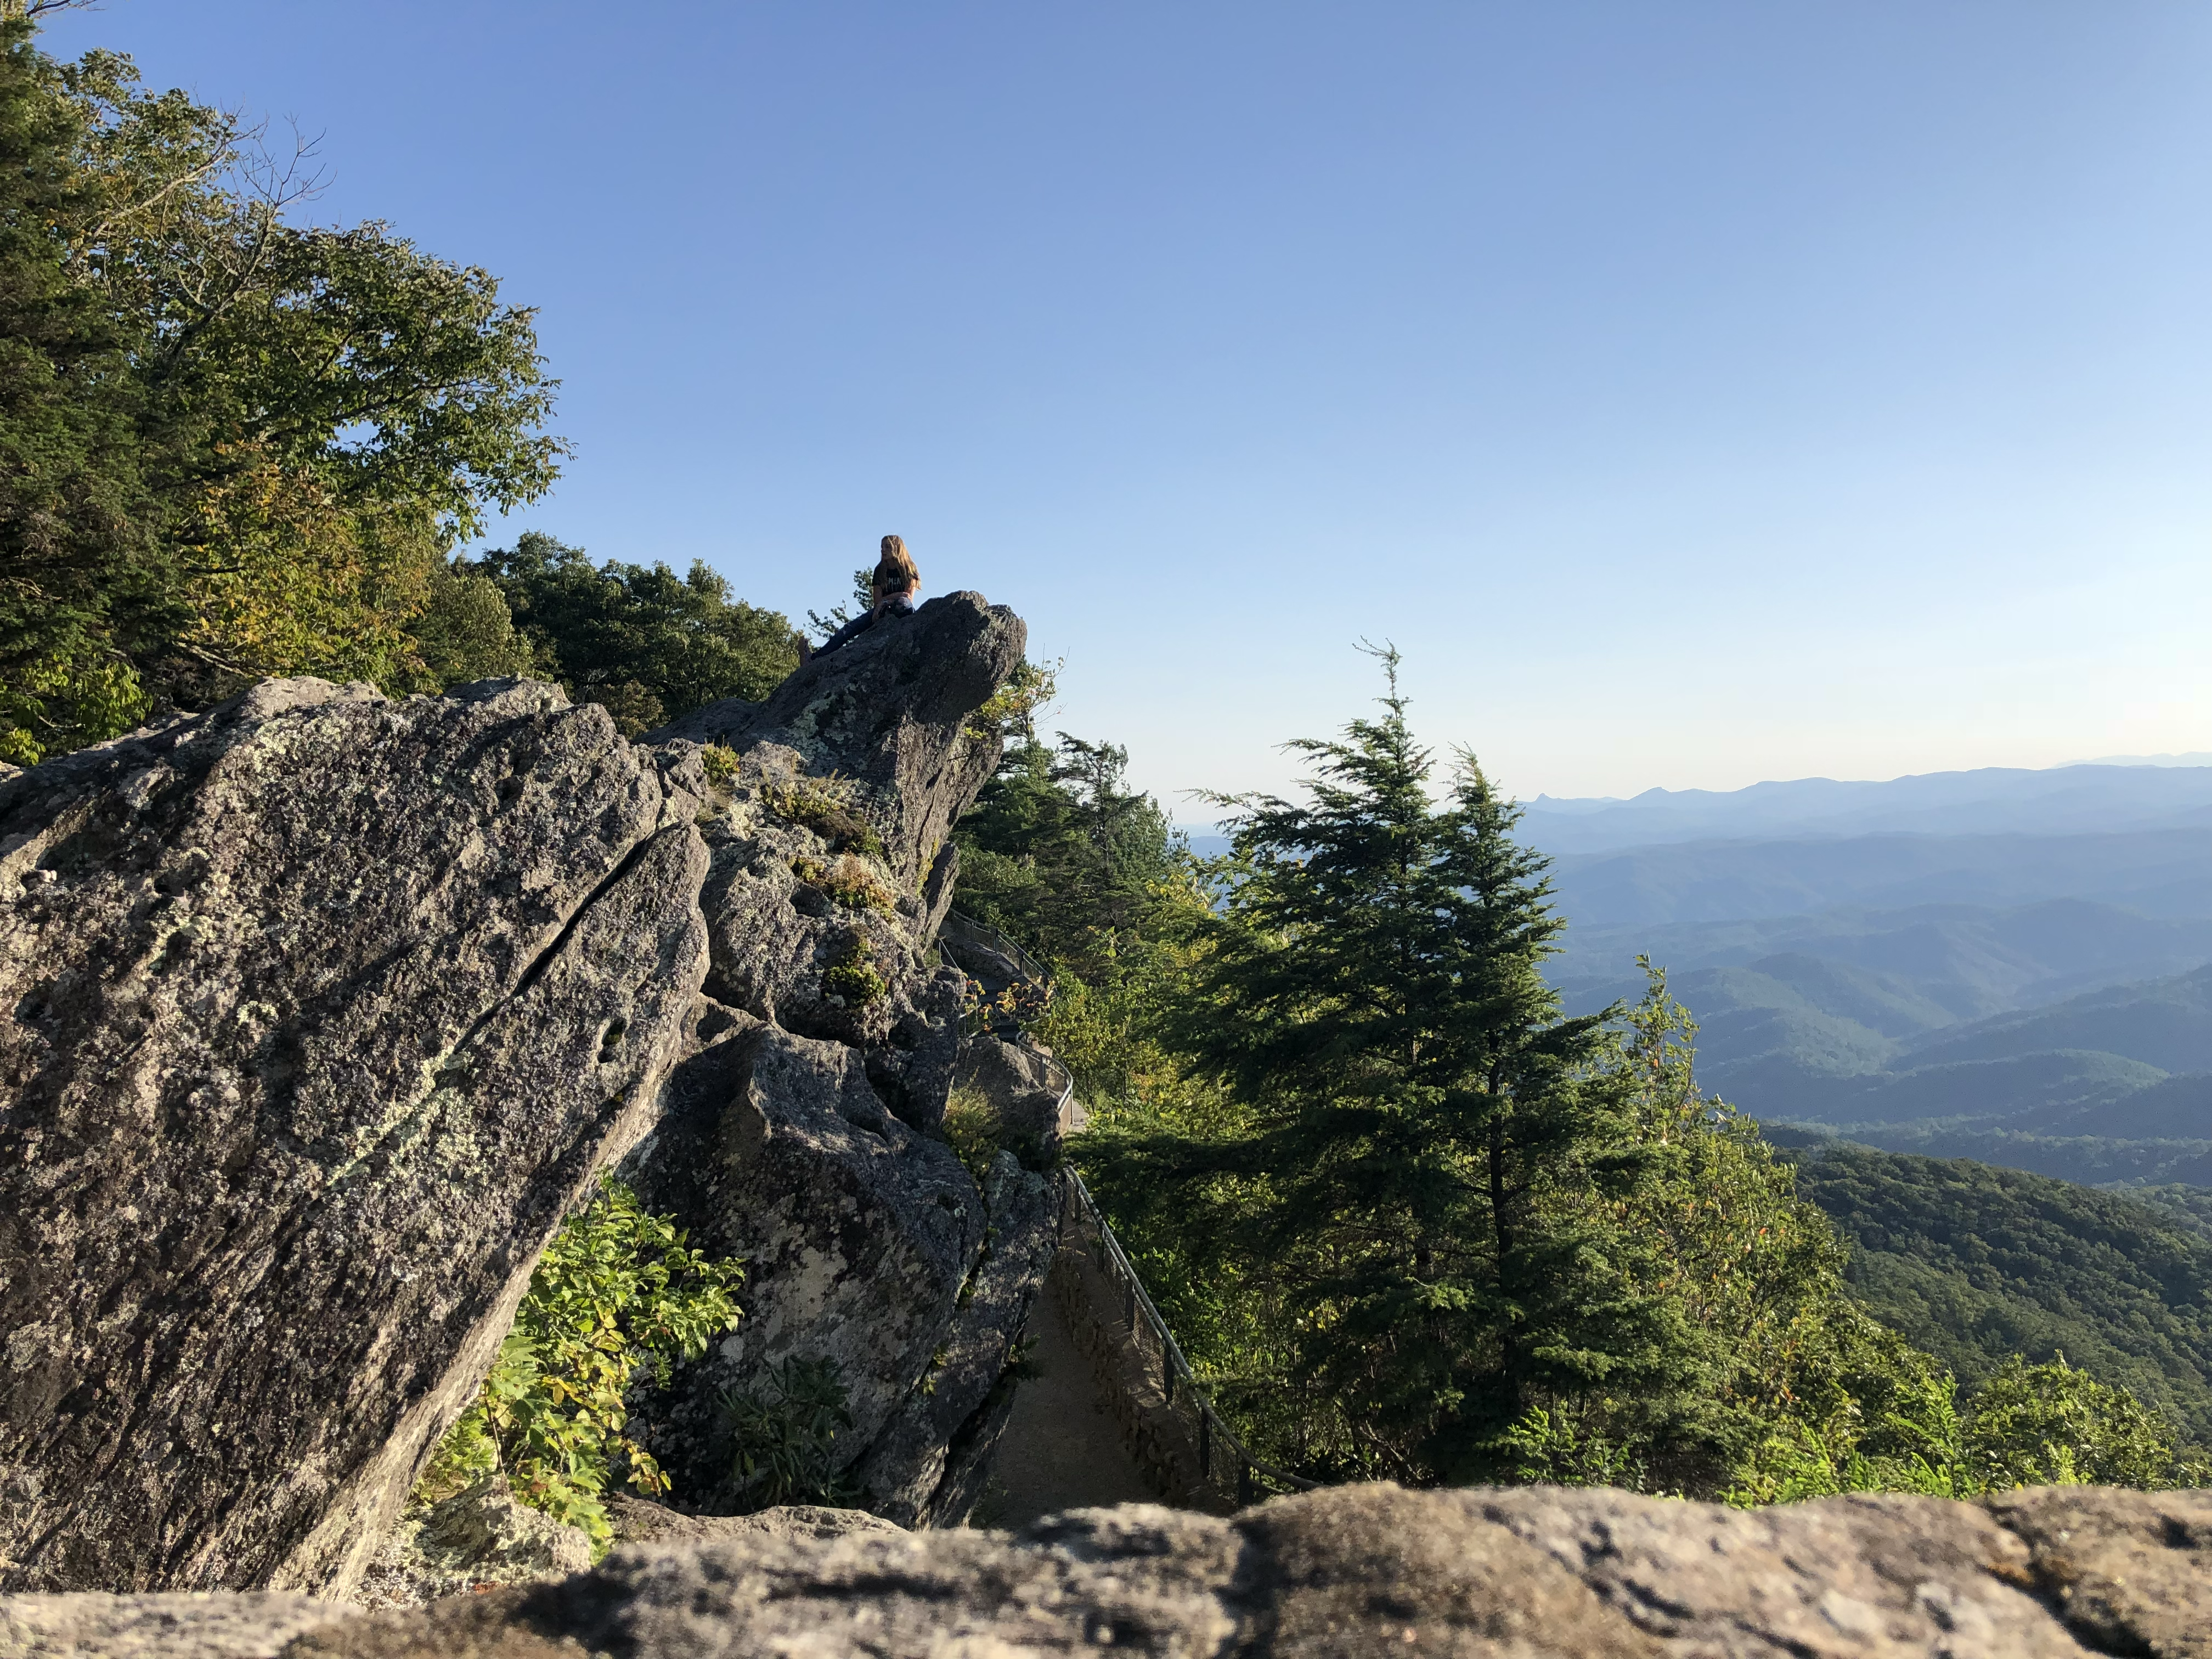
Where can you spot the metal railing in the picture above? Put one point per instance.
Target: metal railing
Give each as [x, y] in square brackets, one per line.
[1219, 1450]
[1218, 1447]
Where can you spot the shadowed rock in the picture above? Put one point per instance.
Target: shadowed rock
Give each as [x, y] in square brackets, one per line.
[926, 1466]
[857, 1234]
[1532, 1573]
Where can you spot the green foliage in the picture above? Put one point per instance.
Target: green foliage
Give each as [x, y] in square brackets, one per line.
[1435, 1164]
[230, 445]
[852, 979]
[824, 805]
[2023, 1426]
[2049, 1425]
[784, 1437]
[1060, 855]
[465, 632]
[1011, 709]
[1294, 1058]
[1977, 1264]
[720, 763]
[646, 643]
[617, 1291]
[971, 1129]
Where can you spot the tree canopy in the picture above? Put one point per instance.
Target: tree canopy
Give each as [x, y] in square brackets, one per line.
[646, 642]
[230, 445]
[1406, 1219]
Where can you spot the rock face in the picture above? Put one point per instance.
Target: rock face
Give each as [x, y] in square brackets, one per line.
[926, 1465]
[654, 1526]
[1533, 1573]
[1015, 1084]
[857, 1231]
[895, 713]
[476, 1538]
[318, 1012]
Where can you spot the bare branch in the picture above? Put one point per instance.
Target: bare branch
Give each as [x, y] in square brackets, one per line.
[34, 9]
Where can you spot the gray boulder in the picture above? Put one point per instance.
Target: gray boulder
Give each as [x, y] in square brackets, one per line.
[926, 1466]
[895, 713]
[647, 1525]
[477, 1537]
[175, 1625]
[319, 1011]
[1535, 1573]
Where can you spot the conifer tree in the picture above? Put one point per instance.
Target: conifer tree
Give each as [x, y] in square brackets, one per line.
[1436, 1153]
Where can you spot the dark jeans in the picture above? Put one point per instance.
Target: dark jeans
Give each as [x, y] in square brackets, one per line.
[898, 604]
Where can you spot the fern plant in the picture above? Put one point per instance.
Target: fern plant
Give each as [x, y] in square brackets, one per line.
[784, 1436]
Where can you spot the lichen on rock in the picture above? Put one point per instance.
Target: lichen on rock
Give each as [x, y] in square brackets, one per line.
[319, 1011]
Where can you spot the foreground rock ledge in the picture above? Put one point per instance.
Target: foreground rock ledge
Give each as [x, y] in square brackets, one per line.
[1526, 1573]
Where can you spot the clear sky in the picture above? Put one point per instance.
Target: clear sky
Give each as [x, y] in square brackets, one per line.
[1696, 393]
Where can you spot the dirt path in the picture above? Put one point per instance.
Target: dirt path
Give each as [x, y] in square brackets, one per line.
[1062, 1449]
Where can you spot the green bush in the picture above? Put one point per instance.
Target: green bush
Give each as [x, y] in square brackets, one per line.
[720, 763]
[616, 1290]
[971, 1130]
[852, 979]
[784, 1438]
[2052, 1425]
[2026, 1425]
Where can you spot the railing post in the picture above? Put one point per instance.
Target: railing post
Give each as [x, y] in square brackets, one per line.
[1167, 1375]
[1244, 1483]
[1205, 1443]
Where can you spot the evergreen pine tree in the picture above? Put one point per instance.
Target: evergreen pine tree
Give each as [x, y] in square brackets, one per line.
[1437, 1156]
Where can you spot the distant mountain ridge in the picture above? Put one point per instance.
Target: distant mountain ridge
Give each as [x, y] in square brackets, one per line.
[1993, 800]
[2004, 964]
[2161, 872]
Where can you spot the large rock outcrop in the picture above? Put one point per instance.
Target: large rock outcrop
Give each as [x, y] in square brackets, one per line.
[895, 713]
[1530, 1573]
[318, 1012]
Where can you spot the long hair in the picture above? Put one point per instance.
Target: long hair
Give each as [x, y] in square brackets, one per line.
[896, 572]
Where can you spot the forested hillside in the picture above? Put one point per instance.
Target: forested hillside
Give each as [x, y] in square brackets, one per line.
[1365, 1166]
[1976, 1264]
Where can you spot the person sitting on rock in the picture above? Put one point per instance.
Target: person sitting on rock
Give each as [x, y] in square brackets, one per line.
[892, 587]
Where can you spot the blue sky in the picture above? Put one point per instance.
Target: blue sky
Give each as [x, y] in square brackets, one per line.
[1696, 393]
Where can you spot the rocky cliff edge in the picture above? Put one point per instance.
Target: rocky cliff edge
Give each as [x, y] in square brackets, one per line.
[319, 1012]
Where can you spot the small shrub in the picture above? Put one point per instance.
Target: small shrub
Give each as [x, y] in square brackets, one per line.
[784, 1438]
[809, 870]
[971, 1130]
[855, 886]
[824, 805]
[721, 764]
[851, 981]
[1012, 708]
[1022, 1362]
[616, 1290]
